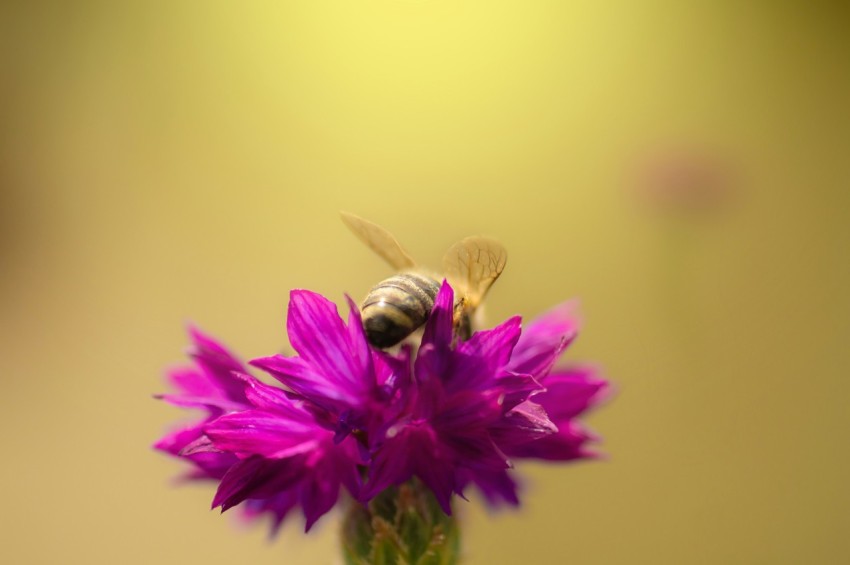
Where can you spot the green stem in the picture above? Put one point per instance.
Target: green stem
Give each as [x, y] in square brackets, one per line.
[401, 526]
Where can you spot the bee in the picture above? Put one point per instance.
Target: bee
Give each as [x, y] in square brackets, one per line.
[401, 304]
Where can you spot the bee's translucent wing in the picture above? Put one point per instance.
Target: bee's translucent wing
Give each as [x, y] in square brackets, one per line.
[473, 264]
[379, 240]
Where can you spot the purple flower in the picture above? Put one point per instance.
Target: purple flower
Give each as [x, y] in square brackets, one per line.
[354, 417]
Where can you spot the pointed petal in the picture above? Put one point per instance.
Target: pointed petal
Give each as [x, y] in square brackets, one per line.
[258, 432]
[201, 444]
[358, 345]
[300, 376]
[569, 392]
[273, 399]
[174, 442]
[390, 464]
[525, 423]
[256, 477]
[318, 334]
[211, 464]
[434, 353]
[477, 362]
[517, 389]
[413, 450]
[498, 487]
[191, 445]
[431, 363]
[392, 372]
[318, 496]
[439, 327]
[218, 364]
[440, 478]
[495, 345]
[465, 413]
[567, 444]
[545, 339]
[192, 382]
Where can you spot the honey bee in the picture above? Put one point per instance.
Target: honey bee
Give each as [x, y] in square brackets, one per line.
[401, 304]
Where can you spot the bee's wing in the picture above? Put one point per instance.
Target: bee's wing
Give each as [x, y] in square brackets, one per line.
[473, 264]
[380, 241]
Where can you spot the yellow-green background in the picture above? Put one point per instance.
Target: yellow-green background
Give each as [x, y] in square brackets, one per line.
[162, 162]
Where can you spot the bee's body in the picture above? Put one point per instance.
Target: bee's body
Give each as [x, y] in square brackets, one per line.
[401, 304]
[398, 306]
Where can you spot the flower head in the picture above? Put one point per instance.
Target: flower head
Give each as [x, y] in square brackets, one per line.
[349, 416]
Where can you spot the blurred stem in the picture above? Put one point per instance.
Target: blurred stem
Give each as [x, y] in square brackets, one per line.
[401, 526]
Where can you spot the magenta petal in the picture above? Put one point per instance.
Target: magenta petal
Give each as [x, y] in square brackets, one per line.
[257, 432]
[545, 339]
[440, 478]
[569, 392]
[201, 444]
[255, 477]
[176, 441]
[317, 499]
[430, 365]
[435, 348]
[477, 362]
[493, 346]
[300, 376]
[317, 333]
[465, 413]
[517, 389]
[218, 364]
[191, 382]
[438, 329]
[390, 464]
[321, 491]
[212, 386]
[413, 450]
[568, 443]
[266, 397]
[525, 423]
[210, 465]
[498, 487]
[392, 372]
[189, 444]
[361, 353]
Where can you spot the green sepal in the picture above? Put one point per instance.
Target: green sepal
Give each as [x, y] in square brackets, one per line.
[401, 526]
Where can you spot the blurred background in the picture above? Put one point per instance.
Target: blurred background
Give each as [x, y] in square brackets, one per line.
[681, 167]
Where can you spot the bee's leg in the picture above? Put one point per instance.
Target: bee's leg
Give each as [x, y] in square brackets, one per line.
[465, 329]
[463, 326]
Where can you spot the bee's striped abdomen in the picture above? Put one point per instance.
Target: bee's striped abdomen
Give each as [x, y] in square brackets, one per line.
[397, 306]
